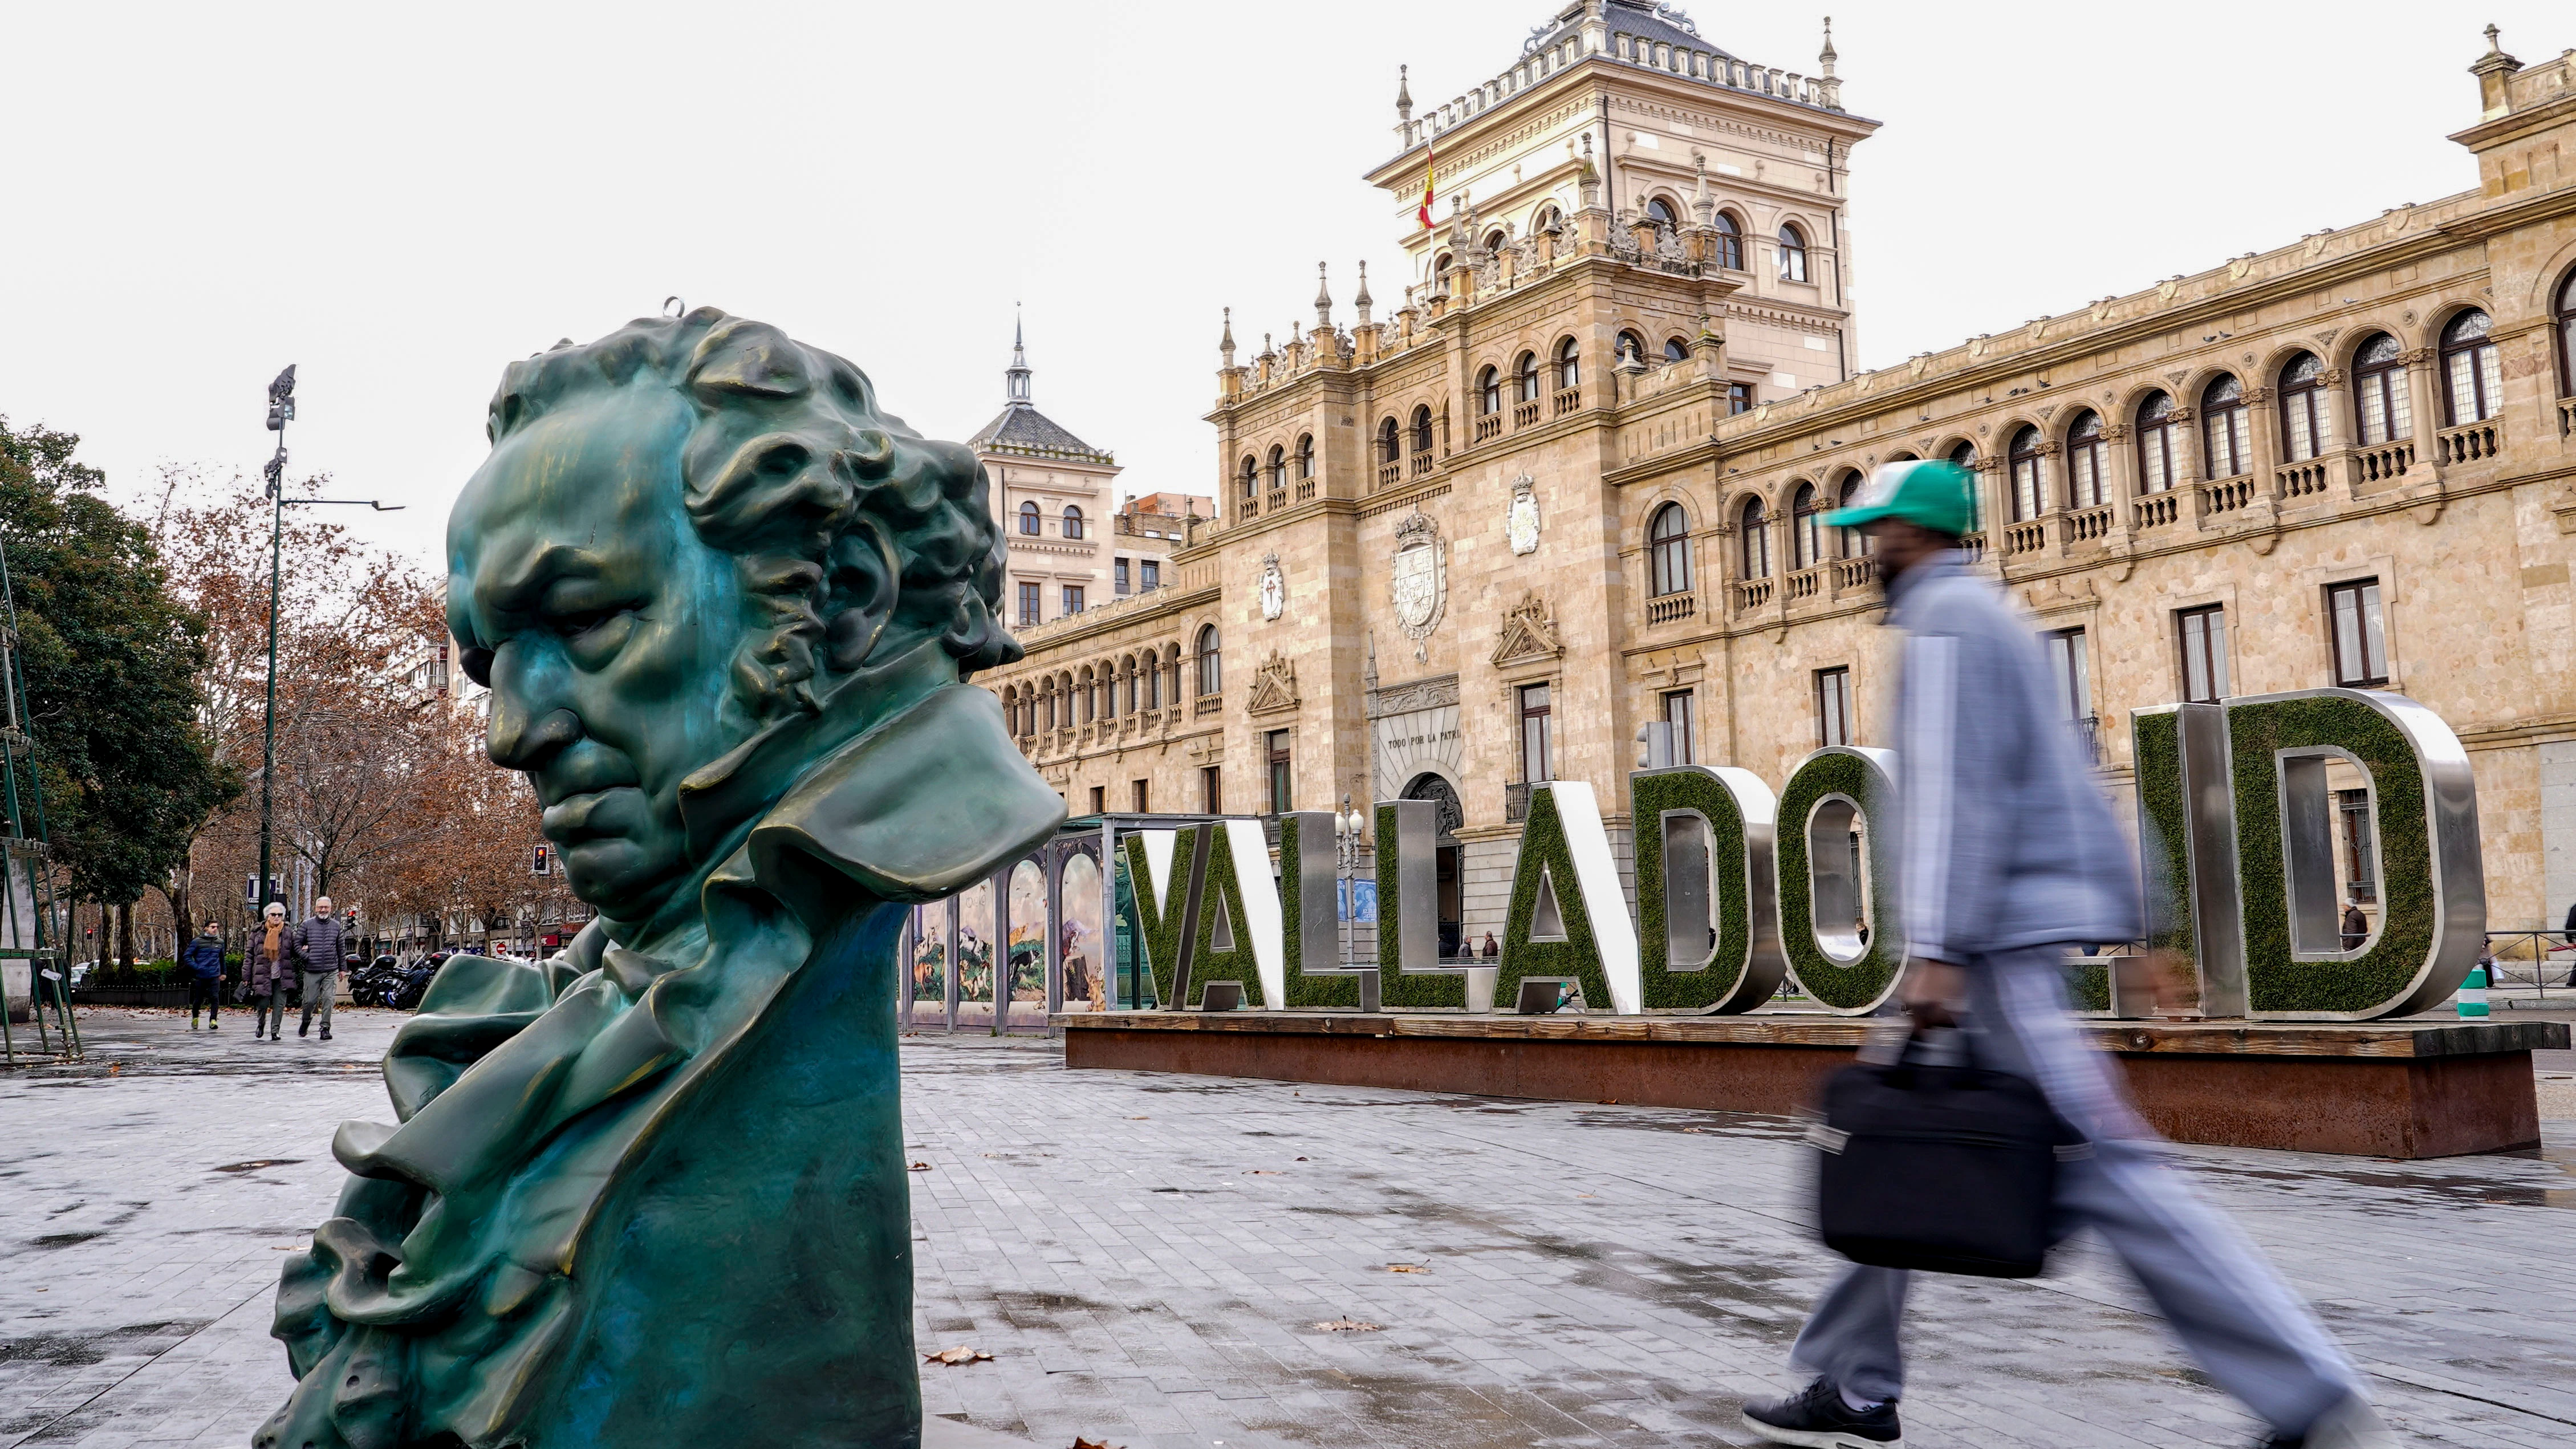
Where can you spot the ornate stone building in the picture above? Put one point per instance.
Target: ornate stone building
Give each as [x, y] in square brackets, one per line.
[1570, 489]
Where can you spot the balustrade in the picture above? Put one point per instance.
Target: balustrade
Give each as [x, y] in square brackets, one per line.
[2469, 442]
[1972, 546]
[1568, 399]
[1305, 489]
[2226, 495]
[1855, 573]
[2089, 523]
[1278, 499]
[1490, 425]
[2029, 536]
[1672, 608]
[2567, 417]
[1806, 583]
[2155, 510]
[1207, 704]
[1389, 474]
[1524, 413]
[2304, 479]
[1753, 593]
[2383, 461]
[1422, 465]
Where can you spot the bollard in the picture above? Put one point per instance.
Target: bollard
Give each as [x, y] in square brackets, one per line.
[2473, 993]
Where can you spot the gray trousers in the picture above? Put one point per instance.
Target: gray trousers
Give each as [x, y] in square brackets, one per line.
[2246, 1329]
[319, 987]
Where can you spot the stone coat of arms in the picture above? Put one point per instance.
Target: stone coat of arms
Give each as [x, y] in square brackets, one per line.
[1420, 578]
[1520, 522]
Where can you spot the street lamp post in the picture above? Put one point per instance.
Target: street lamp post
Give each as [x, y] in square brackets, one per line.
[1349, 837]
[281, 411]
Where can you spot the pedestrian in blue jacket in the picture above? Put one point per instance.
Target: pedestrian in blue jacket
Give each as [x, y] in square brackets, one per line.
[2008, 857]
[204, 963]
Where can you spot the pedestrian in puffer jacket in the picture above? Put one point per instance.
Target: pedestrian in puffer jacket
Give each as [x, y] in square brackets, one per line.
[317, 950]
[204, 960]
[268, 961]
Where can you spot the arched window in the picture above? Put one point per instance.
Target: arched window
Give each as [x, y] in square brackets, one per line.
[1525, 375]
[1494, 240]
[1676, 350]
[1631, 348]
[1569, 364]
[1305, 457]
[2159, 466]
[2307, 424]
[1029, 519]
[1730, 243]
[2088, 462]
[1278, 470]
[1440, 265]
[1855, 544]
[1793, 253]
[1211, 671]
[1756, 529]
[1249, 477]
[2379, 392]
[2567, 336]
[2472, 377]
[1152, 681]
[1965, 456]
[2029, 483]
[2222, 429]
[1489, 390]
[1660, 212]
[1422, 428]
[1072, 521]
[1390, 441]
[1546, 220]
[1806, 535]
[1668, 563]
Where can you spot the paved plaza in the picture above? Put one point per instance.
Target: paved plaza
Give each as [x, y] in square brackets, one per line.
[1147, 1259]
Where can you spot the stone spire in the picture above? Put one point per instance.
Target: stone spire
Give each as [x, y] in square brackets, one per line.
[1825, 58]
[1015, 378]
[1362, 300]
[1225, 344]
[1703, 206]
[1403, 94]
[1829, 91]
[1323, 301]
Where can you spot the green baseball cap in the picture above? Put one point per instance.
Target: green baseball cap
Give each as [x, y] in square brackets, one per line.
[1928, 493]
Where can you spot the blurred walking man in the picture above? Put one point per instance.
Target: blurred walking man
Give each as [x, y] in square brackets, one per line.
[318, 944]
[2009, 856]
[204, 960]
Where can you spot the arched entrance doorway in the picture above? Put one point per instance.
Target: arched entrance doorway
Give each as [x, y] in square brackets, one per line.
[1451, 859]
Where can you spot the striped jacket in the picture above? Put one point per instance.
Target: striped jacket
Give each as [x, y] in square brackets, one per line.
[2004, 840]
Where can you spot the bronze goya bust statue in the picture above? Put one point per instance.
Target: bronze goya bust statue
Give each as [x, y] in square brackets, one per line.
[652, 1191]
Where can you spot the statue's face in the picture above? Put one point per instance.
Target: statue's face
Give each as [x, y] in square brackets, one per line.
[611, 627]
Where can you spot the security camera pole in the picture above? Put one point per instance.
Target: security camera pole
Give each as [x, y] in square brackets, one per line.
[281, 411]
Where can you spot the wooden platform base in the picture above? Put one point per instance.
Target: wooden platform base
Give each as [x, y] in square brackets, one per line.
[2394, 1089]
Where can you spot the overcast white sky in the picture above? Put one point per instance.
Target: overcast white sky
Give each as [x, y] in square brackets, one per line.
[401, 199]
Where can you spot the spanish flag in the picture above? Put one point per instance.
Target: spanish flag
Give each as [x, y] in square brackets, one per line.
[1430, 170]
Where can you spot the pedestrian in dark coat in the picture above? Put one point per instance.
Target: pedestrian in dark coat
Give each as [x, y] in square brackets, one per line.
[203, 960]
[318, 946]
[2356, 926]
[269, 961]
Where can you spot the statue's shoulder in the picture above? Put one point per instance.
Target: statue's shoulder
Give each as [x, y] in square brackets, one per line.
[919, 807]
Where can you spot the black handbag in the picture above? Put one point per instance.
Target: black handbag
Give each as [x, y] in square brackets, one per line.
[1947, 1169]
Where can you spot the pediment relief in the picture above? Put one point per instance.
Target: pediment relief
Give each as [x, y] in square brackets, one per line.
[1274, 686]
[1528, 633]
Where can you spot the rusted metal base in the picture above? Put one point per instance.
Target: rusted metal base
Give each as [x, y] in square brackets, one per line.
[2399, 1090]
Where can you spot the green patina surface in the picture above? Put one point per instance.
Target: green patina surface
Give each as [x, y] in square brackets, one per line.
[2273, 981]
[1865, 980]
[1689, 984]
[1543, 847]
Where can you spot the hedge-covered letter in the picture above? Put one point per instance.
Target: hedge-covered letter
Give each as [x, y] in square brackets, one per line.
[1568, 916]
[2424, 813]
[1832, 795]
[1707, 917]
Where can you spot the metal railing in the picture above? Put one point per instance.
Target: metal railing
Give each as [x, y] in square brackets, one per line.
[2539, 961]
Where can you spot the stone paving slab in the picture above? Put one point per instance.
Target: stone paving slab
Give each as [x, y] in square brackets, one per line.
[1147, 1259]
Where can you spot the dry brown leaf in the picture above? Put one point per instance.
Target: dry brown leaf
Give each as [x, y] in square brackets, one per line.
[1139, 1119]
[1301, 1159]
[1406, 1268]
[957, 1355]
[1694, 1129]
[1081, 1443]
[1346, 1325]
[921, 1167]
[1265, 1172]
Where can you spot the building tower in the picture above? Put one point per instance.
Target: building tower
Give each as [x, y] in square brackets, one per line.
[1052, 496]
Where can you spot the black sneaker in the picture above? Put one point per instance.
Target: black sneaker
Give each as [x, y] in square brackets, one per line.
[1817, 1418]
[326, 1033]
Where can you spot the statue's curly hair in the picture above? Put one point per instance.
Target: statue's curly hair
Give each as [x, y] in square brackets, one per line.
[848, 526]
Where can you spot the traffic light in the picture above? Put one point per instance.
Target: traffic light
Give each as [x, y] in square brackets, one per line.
[543, 863]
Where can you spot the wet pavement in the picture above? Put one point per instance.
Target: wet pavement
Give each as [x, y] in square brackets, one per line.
[1148, 1260]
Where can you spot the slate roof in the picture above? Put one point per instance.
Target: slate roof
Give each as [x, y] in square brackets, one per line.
[1023, 426]
[1636, 17]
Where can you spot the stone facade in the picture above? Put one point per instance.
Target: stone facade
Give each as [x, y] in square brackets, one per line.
[2370, 426]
